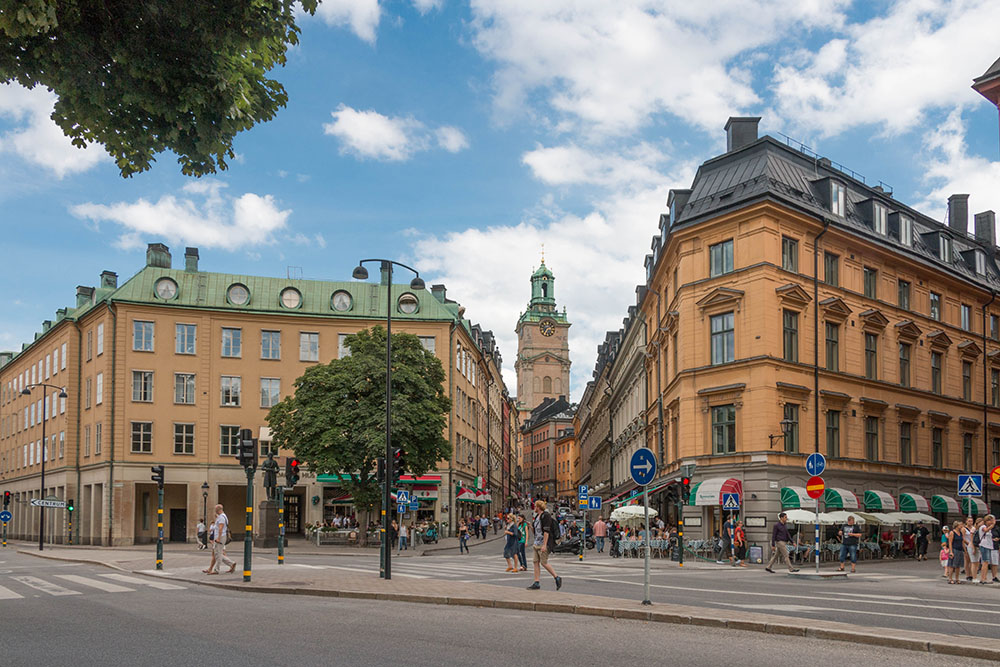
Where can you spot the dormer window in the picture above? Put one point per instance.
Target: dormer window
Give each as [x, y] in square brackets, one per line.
[980, 263]
[881, 219]
[905, 231]
[838, 198]
[944, 248]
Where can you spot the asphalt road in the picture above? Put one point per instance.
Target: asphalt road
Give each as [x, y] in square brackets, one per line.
[65, 613]
[904, 595]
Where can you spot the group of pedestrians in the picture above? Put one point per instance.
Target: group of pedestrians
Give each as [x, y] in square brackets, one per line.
[972, 547]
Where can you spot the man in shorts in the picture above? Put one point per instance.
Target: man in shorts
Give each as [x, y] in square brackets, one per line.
[546, 530]
[988, 551]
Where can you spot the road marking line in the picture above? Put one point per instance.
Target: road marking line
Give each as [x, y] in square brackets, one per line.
[7, 594]
[159, 585]
[45, 586]
[356, 569]
[94, 583]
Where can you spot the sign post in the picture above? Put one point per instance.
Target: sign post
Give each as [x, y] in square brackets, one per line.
[583, 503]
[970, 486]
[642, 467]
[731, 503]
[815, 488]
[5, 517]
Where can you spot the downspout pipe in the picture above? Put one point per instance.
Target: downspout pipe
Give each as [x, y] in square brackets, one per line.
[452, 526]
[111, 431]
[826, 225]
[79, 410]
[986, 422]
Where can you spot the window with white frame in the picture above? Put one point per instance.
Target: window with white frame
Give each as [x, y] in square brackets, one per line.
[183, 438]
[185, 338]
[838, 198]
[944, 248]
[99, 389]
[270, 345]
[905, 231]
[229, 440]
[48, 367]
[142, 386]
[62, 443]
[142, 437]
[100, 339]
[881, 219]
[980, 263]
[98, 434]
[55, 361]
[184, 388]
[86, 440]
[270, 392]
[232, 342]
[231, 389]
[429, 343]
[142, 336]
[343, 349]
[62, 358]
[308, 346]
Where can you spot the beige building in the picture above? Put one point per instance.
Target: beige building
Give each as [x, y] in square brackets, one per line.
[168, 367]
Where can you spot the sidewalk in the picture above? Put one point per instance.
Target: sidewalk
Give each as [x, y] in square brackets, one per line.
[269, 577]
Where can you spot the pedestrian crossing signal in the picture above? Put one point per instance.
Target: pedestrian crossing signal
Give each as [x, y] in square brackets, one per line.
[685, 489]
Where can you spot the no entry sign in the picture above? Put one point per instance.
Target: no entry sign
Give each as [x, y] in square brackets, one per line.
[815, 487]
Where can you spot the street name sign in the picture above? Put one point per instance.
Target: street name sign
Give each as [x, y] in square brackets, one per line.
[403, 497]
[594, 502]
[59, 504]
[970, 486]
[815, 464]
[995, 475]
[730, 501]
[815, 486]
[6, 516]
[642, 466]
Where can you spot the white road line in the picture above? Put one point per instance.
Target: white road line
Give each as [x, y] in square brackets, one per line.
[95, 583]
[45, 586]
[356, 569]
[7, 594]
[159, 585]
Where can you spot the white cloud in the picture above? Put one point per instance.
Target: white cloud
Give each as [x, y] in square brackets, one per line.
[951, 169]
[361, 16]
[451, 139]
[424, 6]
[369, 134]
[888, 71]
[201, 216]
[610, 66]
[36, 138]
[572, 165]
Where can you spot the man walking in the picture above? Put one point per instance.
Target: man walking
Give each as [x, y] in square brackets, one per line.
[988, 549]
[727, 539]
[545, 540]
[202, 532]
[850, 536]
[600, 532]
[221, 527]
[780, 538]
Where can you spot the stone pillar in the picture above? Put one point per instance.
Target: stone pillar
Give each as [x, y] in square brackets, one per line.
[267, 525]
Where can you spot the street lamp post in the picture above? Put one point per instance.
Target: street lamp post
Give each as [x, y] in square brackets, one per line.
[204, 501]
[45, 452]
[361, 273]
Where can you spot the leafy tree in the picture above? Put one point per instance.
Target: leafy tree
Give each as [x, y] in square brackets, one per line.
[335, 420]
[143, 77]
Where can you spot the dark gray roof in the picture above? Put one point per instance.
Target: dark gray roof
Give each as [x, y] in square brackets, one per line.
[991, 73]
[769, 169]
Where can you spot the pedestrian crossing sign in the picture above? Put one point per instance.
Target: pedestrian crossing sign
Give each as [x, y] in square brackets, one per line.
[730, 501]
[403, 497]
[970, 485]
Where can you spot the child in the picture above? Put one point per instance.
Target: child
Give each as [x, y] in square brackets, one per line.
[944, 560]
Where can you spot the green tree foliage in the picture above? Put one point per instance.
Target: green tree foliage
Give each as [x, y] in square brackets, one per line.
[335, 420]
[143, 77]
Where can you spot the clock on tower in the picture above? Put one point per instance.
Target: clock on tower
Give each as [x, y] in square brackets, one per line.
[543, 362]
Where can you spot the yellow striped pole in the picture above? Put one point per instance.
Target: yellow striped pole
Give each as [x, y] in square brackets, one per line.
[159, 528]
[281, 525]
[248, 536]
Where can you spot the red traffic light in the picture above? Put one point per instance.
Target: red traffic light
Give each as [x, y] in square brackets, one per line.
[686, 481]
[295, 463]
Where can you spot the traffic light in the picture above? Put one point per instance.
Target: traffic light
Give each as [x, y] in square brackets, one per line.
[685, 489]
[157, 475]
[397, 465]
[291, 471]
[69, 505]
[6, 499]
[247, 450]
[380, 470]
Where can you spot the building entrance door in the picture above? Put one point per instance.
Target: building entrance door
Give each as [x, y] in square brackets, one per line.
[178, 525]
[293, 515]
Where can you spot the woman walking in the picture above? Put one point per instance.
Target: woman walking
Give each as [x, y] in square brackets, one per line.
[463, 536]
[511, 532]
[523, 532]
[956, 552]
[740, 543]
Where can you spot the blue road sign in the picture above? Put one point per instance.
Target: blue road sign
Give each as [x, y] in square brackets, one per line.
[594, 502]
[642, 467]
[815, 464]
[414, 505]
[6, 516]
[730, 501]
[583, 491]
[402, 508]
[970, 486]
[403, 497]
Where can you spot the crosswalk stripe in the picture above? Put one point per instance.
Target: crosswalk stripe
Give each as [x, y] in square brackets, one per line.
[7, 594]
[159, 585]
[44, 586]
[95, 583]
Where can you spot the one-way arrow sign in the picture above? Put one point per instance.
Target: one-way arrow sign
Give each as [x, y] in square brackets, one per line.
[643, 466]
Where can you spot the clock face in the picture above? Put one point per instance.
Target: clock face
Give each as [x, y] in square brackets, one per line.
[341, 300]
[547, 327]
[166, 289]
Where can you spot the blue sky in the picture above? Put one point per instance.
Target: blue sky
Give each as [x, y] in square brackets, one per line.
[459, 137]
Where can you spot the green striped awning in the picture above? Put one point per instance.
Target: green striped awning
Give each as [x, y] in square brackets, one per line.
[795, 497]
[840, 499]
[974, 507]
[912, 502]
[944, 505]
[879, 501]
[694, 493]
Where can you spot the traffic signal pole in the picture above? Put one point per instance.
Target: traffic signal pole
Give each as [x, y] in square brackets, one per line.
[248, 534]
[281, 525]
[159, 527]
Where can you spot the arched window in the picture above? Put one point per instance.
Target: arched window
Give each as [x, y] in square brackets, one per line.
[537, 384]
[547, 385]
[558, 386]
[545, 290]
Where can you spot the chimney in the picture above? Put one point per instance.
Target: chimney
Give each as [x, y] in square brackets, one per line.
[158, 254]
[109, 280]
[46, 325]
[676, 200]
[384, 272]
[6, 358]
[60, 313]
[741, 131]
[439, 292]
[191, 260]
[84, 296]
[958, 213]
[986, 228]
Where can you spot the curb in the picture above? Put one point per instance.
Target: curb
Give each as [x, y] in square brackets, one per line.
[46, 556]
[912, 641]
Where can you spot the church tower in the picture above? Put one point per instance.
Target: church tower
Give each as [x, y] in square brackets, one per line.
[542, 363]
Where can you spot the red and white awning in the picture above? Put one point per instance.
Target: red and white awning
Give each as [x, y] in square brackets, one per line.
[709, 491]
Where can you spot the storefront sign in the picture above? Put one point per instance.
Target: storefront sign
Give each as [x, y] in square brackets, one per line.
[692, 521]
[755, 522]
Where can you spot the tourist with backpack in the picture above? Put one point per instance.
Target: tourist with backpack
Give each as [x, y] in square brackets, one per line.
[221, 527]
[989, 540]
[971, 541]
[546, 529]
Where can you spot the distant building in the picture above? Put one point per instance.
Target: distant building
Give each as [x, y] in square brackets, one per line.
[548, 423]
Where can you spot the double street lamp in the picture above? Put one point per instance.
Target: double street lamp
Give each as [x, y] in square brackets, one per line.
[361, 273]
[45, 452]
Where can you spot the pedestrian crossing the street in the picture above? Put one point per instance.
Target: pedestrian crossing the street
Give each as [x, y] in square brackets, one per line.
[63, 585]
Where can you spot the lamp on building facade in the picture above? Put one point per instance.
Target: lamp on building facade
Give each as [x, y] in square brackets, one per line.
[786, 425]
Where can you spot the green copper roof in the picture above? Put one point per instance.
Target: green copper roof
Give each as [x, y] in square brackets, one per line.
[542, 270]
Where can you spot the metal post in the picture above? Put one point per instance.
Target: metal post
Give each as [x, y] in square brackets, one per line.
[5, 534]
[71, 527]
[389, 461]
[645, 579]
[281, 525]
[159, 527]
[248, 535]
[680, 541]
[41, 510]
[817, 536]
[583, 530]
